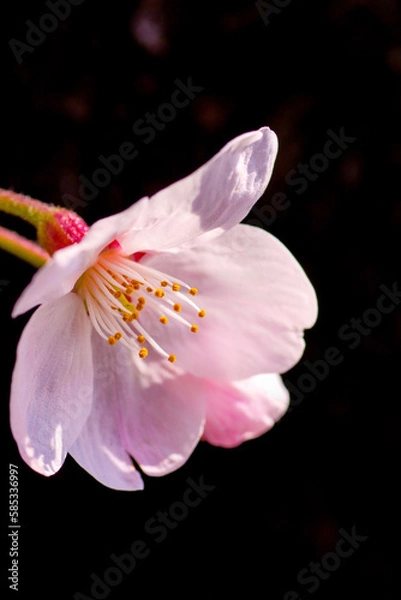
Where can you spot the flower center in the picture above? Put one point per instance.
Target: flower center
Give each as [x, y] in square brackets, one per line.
[118, 292]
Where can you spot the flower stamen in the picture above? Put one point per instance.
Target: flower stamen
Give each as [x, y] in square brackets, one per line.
[110, 291]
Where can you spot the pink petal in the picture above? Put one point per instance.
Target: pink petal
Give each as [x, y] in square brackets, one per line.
[163, 415]
[146, 407]
[59, 276]
[218, 194]
[52, 385]
[257, 298]
[99, 448]
[242, 410]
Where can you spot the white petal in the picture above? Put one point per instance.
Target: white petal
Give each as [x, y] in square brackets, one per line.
[257, 298]
[99, 448]
[218, 195]
[144, 407]
[52, 385]
[163, 415]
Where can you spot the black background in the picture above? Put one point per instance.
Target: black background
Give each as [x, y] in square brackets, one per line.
[333, 461]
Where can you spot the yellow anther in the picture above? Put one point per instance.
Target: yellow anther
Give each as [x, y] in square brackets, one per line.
[176, 287]
[129, 289]
[117, 294]
[139, 306]
[193, 291]
[143, 352]
[159, 293]
[149, 289]
[177, 307]
[172, 358]
[194, 328]
[164, 283]
[112, 340]
[118, 335]
[202, 313]
[141, 339]
[141, 300]
[137, 286]
[163, 320]
[132, 317]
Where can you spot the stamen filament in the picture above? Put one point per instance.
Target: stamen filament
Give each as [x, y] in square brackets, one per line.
[110, 290]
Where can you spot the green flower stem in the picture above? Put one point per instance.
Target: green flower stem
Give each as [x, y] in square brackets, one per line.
[22, 248]
[32, 211]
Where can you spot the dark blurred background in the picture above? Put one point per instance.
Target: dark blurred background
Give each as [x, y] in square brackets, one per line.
[332, 463]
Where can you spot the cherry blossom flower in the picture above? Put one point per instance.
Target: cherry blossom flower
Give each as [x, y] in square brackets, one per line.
[162, 325]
